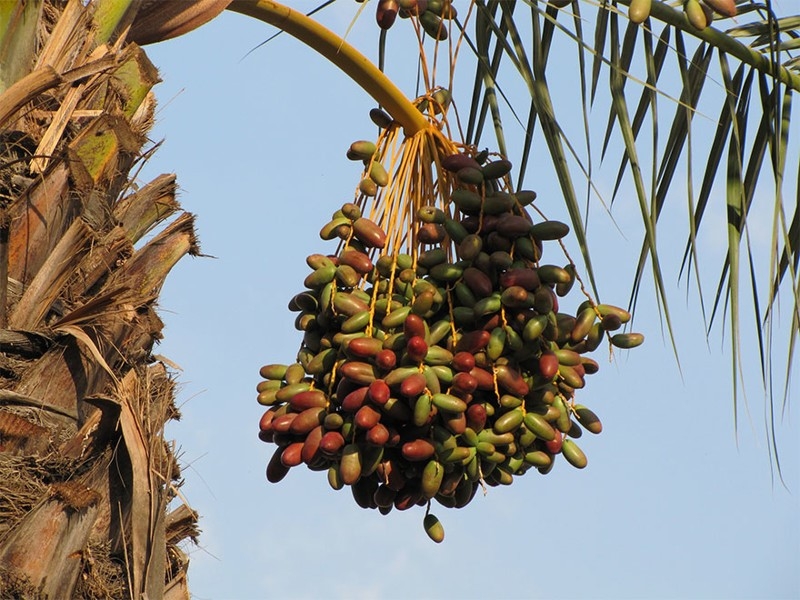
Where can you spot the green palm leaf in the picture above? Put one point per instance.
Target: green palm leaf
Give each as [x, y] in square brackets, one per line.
[759, 47]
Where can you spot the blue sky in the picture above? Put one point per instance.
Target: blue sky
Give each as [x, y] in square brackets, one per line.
[673, 504]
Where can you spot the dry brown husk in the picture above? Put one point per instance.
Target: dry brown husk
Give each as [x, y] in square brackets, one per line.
[90, 505]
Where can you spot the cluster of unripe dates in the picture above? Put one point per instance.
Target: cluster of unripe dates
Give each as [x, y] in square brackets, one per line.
[432, 14]
[423, 375]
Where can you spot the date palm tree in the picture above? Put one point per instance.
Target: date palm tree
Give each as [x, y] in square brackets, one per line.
[89, 488]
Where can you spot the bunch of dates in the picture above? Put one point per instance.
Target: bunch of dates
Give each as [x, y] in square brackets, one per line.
[425, 375]
[432, 14]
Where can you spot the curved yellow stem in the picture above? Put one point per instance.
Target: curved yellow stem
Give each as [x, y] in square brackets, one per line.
[343, 55]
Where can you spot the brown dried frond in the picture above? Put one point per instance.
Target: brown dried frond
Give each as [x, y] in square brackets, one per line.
[24, 482]
[16, 148]
[15, 585]
[103, 575]
[145, 117]
[181, 524]
[75, 495]
[14, 426]
[19, 435]
[19, 491]
[141, 210]
[51, 11]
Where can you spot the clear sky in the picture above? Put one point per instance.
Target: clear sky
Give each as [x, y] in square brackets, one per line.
[673, 503]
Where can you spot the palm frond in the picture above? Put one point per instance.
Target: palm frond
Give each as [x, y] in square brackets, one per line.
[729, 95]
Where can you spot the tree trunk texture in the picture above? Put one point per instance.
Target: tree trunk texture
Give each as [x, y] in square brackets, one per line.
[89, 500]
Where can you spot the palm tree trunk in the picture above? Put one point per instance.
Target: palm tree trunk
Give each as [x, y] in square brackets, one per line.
[87, 480]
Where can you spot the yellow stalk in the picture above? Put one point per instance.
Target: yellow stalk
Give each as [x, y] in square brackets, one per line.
[341, 54]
